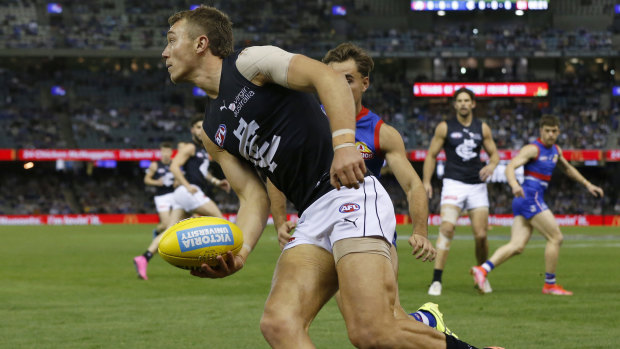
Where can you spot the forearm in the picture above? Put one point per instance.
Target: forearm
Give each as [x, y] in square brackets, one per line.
[278, 205]
[339, 106]
[428, 169]
[252, 218]
[418, 209]
[511, 178]
[573, 174]
[178, 175]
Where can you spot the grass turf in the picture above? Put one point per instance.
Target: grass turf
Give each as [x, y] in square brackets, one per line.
[75, 287]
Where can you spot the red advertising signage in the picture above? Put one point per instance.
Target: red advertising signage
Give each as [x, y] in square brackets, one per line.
[88, 154]
[612, 155]
[7, 154]
[482, 89]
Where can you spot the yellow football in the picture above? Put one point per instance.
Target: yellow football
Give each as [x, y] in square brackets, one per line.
[194, 241]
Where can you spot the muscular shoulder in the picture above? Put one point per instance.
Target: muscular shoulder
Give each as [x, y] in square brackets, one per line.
[441, 130]
[269, 61]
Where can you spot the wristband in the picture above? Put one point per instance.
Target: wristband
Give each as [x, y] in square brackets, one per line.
[343, 145]
[342, 131]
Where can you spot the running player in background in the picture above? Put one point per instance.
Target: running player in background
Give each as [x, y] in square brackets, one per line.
[464, 187]
[190, 169]
[377, 142]
[530, 211]
[158, 175]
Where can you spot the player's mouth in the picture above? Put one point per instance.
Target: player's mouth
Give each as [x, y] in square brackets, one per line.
[168, 66]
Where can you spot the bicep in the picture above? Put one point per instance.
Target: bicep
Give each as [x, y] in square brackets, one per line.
[438, 139]
[488, 142]
[304, 72]
[525, 154]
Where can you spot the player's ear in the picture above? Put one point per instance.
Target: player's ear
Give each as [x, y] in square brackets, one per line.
[202, 44]
[365, 83]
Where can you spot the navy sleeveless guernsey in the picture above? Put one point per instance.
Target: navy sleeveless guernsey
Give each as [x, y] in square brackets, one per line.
[196, 167]
[283, 133]
[462, 147]
[163, 171]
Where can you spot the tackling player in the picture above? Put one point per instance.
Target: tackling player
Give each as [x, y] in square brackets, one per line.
[464, 186]
[190, 169]
[530, 211]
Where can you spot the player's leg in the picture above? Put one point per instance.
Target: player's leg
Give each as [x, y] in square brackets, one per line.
[303, 281]
[209, 208]
[479, 223]
[520, 234]
[368, 291]
[449, 215]
[545, 223]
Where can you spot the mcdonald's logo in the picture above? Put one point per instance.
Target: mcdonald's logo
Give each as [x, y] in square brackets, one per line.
[130, 219]
[615, 221]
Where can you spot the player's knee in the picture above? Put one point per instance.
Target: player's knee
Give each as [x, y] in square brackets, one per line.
[274, 326]
[557, 239]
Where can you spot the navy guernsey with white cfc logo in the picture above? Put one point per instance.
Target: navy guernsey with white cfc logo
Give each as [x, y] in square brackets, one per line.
[196, 168]
[462, 147]
[281, 132]
[163, 172]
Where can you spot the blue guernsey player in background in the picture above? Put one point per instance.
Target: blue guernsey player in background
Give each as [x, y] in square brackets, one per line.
[530, 211]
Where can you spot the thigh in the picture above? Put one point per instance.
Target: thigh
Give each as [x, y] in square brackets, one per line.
[367, 288]
[479, 220]
[304, 280]
[546, 224]
[208, 209]
[521, 231]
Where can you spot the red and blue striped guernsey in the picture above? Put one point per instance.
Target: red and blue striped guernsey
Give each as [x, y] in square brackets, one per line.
[538, 172]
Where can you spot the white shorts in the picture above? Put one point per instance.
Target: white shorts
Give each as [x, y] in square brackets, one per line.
[466, 196]
[346, 213]
[188, 201]
[166, 202]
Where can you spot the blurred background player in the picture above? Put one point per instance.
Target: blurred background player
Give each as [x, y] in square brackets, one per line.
[158, 175]
[377, 142]
[530, 210]
[190, 169]
[464, 187]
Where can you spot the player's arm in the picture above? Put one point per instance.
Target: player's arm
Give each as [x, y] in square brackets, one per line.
[150, 172]
[253, 209]
[185, 152]
[278, 212]
[574, 174]
[269, 64]
[431, 156]
[526, 153]
[220, 183]
[489, 145]
[394, 149]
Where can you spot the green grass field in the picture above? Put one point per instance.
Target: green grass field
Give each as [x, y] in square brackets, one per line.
[75, 287]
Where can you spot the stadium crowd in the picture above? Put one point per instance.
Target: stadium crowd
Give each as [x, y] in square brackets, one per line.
[130, 103]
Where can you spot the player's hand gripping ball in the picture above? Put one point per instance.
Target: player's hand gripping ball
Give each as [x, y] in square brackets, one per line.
[194, 241]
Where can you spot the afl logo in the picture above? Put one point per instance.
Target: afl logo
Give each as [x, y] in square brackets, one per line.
[220, 135]
[456, 135]
[349, 207]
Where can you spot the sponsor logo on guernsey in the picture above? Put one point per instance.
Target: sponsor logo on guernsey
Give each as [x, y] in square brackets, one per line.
[543, 158]
[196, 238]
[456, 135]
[555, 158]
[367, 154]
[220, 135]
[349, 207]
